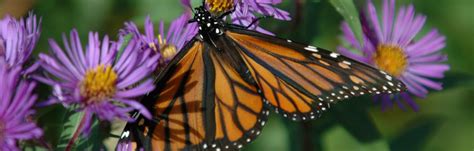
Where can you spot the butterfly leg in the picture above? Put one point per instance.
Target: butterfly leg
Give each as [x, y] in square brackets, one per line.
[256, 20]
[226, 13]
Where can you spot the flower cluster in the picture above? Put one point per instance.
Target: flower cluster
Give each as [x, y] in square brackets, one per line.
[391, 46]
[17, 40]
[167, 44]
[16, 101]
[100, 79]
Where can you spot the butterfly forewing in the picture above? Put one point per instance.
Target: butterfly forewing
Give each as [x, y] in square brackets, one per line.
[299, 80]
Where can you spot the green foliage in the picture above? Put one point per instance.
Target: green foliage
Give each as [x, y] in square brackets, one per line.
[71, 124]
[356, 120]
[339, 139]
[72, 135]
[348, 10]
[415, 136]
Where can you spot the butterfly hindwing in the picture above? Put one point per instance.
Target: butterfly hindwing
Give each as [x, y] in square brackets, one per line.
[239, 111]
[301, 81]
[133, 136]
[203, 103]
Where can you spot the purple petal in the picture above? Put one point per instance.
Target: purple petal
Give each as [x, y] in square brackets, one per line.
[414, 87]
[429, 70]
[150, 34]
[428, 44]
[137, 106]
[410, 101]
[372, 12]
[135, 76]
[406, 21]
[415, 27]
[349, 36]
[352, 55]
[398, 25]
[142, 89]
[388, 17]
[434, 58]
[425, 82]
[428, 47]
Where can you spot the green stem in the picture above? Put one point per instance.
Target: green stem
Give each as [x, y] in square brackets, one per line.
[76, 133]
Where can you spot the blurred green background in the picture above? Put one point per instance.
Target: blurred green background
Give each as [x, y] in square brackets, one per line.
[445, 120]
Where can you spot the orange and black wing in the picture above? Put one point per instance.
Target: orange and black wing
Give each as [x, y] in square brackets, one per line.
[301, 81]
[201, 103]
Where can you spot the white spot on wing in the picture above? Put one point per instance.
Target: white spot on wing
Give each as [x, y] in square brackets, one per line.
[388, 77]
[125, 134]
[311, 48]
[334, 55]
[346, 62]
[390, 83]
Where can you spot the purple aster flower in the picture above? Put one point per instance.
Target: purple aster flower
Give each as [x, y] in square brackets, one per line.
[165, 43]
[18, 38]
[390, 45]
[99, 80]
[16, 100]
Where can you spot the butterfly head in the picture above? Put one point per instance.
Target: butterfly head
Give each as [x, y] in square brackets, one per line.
[207, 23]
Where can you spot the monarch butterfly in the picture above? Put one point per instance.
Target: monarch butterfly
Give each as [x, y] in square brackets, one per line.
[217, 92]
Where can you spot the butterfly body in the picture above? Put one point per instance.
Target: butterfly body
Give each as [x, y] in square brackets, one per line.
[210, 27]
[217, 93]
[211, 31]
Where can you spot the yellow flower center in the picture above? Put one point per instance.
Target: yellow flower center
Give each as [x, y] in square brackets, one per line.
[220, 6]
[167, 50]
[391, 59]
[98, 84]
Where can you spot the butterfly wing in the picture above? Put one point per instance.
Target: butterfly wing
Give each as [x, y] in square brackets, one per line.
[132, 137]
[301, 81]
[201, 103]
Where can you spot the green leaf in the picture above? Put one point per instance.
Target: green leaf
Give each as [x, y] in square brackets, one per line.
[339, 139]
[454, 79]
[416, 135]
[33, 148]
[307, 135]
[274, 137]
[354, 117]
[348, 10]
[96, 138]
[71, 124]
[51, 119]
